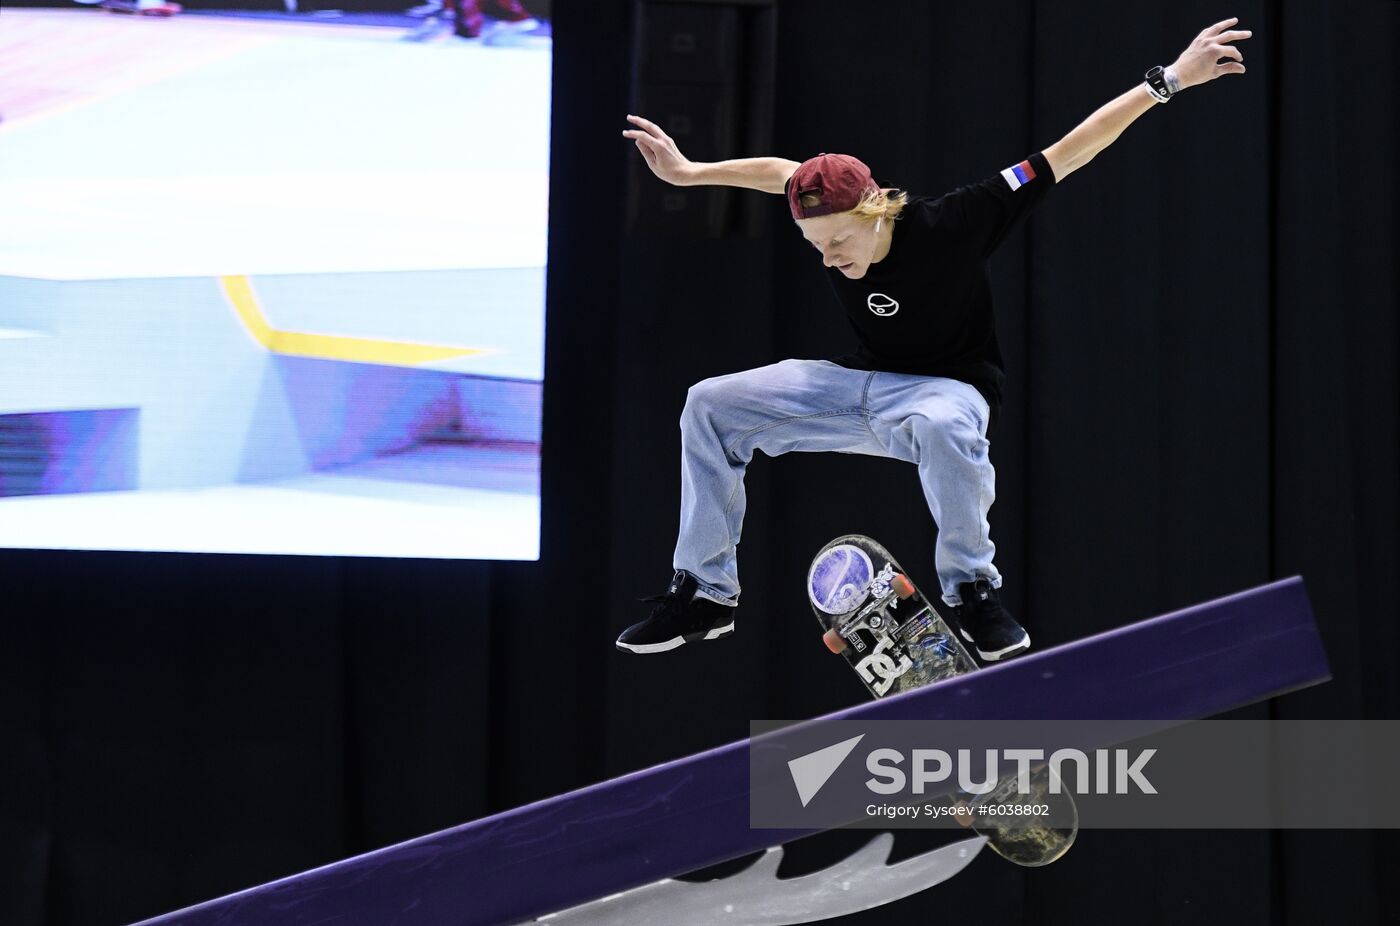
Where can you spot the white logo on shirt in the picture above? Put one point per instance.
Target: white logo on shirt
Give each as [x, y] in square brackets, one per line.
[881, 304]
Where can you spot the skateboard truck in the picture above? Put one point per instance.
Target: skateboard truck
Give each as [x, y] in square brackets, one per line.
[900, 589]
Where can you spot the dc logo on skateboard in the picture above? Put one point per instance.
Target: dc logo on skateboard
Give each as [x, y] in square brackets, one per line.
[840, 580]
[880, 671]
[881, 304]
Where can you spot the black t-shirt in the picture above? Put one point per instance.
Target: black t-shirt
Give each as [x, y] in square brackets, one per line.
[927, 307]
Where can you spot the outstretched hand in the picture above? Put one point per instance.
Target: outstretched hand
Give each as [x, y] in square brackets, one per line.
[1198, 63]
[660, 151]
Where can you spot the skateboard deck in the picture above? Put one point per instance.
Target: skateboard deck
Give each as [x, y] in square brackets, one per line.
[896, 641]
[887, 630]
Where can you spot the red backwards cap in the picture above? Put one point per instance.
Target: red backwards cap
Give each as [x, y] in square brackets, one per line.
[839, 179]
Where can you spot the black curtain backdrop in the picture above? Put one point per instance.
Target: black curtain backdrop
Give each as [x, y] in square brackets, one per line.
[1200, 329]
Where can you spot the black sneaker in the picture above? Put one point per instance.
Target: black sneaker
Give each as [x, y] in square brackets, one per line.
[987, 625]
[679, 617]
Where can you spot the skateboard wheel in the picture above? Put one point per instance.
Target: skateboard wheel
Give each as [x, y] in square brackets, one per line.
[902, 586]
[833, 641]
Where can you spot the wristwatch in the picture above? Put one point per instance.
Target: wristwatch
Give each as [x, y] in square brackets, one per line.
[1157, 84]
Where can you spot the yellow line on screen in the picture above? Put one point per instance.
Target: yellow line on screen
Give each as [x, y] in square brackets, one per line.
[239, 292]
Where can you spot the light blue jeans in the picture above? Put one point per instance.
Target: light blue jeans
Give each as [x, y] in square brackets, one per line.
[938, 424]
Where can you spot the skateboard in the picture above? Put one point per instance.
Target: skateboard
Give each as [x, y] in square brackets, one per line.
[896, 641]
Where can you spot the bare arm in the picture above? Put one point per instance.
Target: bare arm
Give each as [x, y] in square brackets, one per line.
[768, 175]
[1096, 133]
[1196, 65]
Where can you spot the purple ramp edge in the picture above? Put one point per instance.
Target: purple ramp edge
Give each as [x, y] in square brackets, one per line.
[692, 812]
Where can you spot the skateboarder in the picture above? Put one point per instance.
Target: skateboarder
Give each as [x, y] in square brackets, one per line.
[910, 272]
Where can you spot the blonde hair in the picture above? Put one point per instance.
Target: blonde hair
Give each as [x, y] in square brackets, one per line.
[875, 204]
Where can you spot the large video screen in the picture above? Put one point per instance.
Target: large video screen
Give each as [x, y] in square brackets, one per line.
[273, 284]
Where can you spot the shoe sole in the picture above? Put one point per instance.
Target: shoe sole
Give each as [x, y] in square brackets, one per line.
[1019, 646]
[714, 633]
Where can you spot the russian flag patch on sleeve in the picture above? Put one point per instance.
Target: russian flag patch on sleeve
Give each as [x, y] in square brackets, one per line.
[1018, 175]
